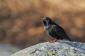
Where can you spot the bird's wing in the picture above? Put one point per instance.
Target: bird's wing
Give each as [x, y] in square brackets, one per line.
[60, 32]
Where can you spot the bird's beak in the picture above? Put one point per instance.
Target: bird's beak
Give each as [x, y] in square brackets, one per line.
[44, 18]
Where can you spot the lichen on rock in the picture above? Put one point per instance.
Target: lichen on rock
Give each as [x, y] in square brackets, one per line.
[60, 48]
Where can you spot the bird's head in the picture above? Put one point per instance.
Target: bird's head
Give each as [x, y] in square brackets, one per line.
[47, 21]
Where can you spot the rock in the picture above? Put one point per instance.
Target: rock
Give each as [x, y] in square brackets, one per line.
[7, 49]
[61, 48]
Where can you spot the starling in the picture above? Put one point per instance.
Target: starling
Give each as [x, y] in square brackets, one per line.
[54, 30]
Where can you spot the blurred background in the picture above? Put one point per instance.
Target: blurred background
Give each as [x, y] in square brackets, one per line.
[21, 20]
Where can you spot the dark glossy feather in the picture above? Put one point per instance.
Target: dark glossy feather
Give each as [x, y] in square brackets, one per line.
[54, 29]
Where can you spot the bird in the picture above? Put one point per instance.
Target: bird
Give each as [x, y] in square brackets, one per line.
[54, 30]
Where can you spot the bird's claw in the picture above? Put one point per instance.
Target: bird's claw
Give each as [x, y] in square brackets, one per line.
[54, 41]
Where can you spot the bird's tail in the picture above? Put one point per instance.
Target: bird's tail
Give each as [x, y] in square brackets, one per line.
[68, 38]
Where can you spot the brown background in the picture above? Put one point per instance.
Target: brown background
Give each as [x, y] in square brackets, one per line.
[21, 20]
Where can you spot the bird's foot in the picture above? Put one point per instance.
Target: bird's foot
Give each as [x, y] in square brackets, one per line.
[55, 40]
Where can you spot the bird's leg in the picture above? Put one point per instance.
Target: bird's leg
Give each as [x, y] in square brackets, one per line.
[55, 40]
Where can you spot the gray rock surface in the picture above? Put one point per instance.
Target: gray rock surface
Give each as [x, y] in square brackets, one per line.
[61, 48]
[7, 49]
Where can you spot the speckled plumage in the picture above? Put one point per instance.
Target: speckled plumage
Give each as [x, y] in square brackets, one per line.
[54, 29]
